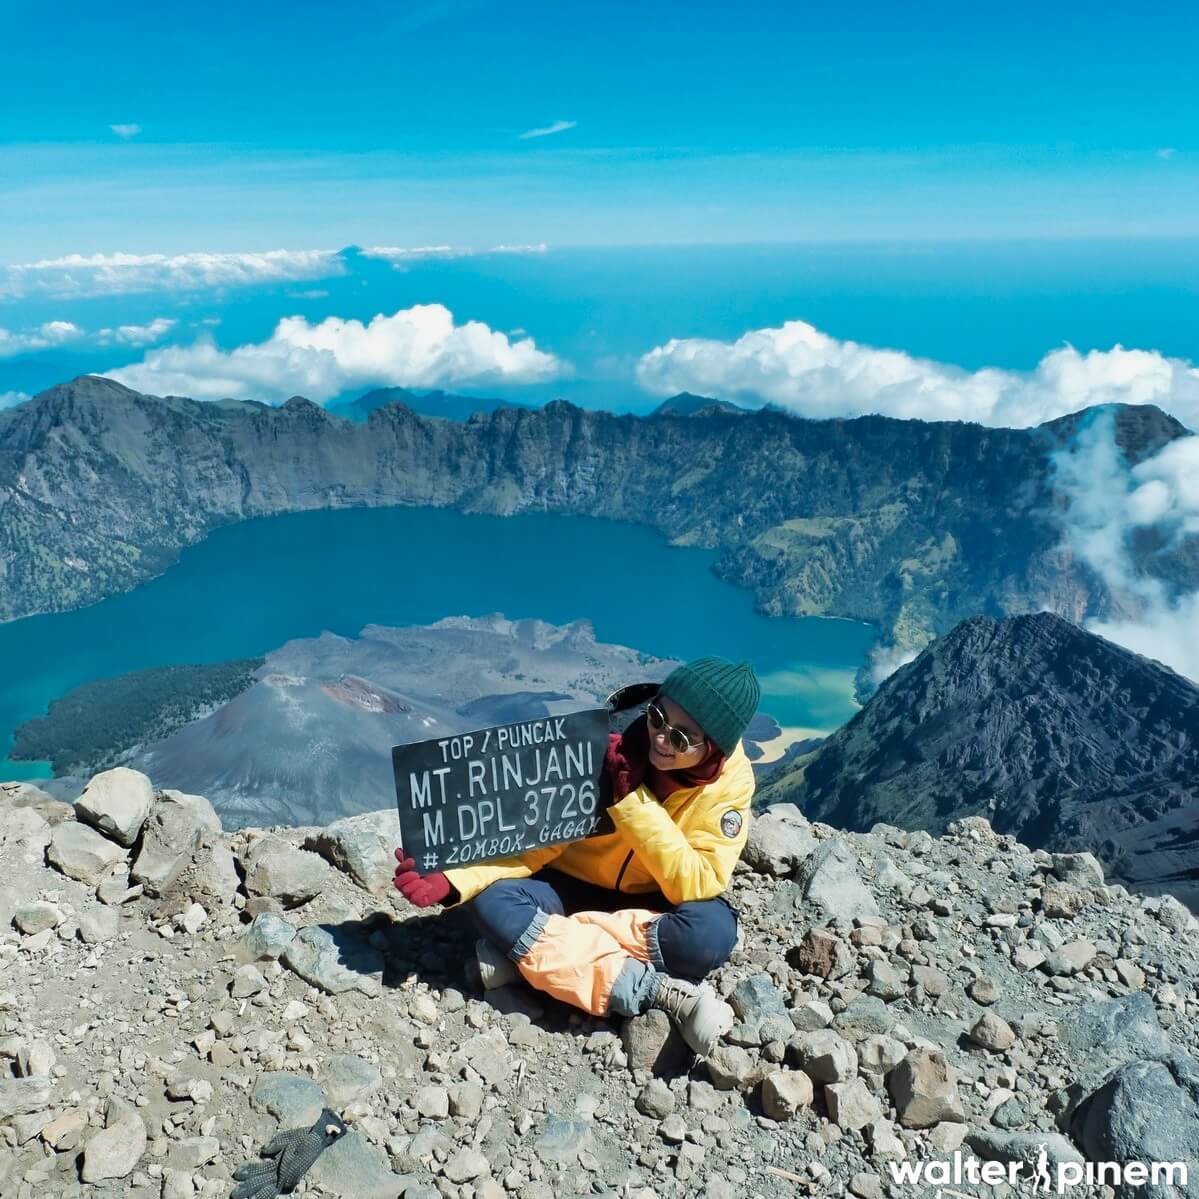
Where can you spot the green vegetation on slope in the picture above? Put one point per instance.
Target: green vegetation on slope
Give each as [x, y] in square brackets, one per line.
[95, 725]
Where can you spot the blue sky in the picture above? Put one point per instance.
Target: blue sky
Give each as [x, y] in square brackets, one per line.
[267, 125]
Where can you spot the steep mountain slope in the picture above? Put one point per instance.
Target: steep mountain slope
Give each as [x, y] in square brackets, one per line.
[1057, 736]
[907, 525]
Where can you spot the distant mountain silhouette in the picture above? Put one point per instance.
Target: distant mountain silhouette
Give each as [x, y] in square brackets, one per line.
[427, 403]
[686, 404]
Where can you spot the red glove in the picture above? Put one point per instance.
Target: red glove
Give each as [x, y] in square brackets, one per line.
[422, 890]
[623, 764]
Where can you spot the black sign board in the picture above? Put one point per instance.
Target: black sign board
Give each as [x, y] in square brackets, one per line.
[500, 791]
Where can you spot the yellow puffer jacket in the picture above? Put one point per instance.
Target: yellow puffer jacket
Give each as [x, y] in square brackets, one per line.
[685, 847]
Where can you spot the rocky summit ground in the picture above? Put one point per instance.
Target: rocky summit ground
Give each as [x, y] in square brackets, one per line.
[172, 994]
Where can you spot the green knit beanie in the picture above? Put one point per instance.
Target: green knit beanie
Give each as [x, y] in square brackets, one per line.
[719, 695]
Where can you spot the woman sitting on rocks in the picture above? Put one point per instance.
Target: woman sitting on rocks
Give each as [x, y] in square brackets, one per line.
[678, 799]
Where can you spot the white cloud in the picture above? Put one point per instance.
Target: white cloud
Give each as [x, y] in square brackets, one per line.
[547, 130]
[885, 660]
[1107, 503]
[125, 132]
[10, 399]
[537, 248]
[138, 335]
[798, 367]
[114, 274]
[414, 347]
[396, 254]
[44, 337]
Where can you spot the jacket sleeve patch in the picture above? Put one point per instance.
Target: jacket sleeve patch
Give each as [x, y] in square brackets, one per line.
[730, 823]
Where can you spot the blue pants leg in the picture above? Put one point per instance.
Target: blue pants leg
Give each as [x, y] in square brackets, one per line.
[506, 911]
[695, 938]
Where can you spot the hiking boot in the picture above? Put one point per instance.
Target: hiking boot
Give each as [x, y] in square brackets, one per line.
[495, 969]
[701, 1016]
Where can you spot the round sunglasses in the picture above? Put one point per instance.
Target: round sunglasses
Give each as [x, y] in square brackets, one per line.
[679, 741]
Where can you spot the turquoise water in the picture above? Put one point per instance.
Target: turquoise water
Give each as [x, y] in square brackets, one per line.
[250, 587]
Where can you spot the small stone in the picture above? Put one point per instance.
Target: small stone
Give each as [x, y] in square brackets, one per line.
[825, 1056]
[822, 954]
[193, 919]
[466, 1101]
[1079, 869]
[466, 1165]
[879, 1055]
[35, 917]
[98, 925]
[884, 1143]
[562, 1140]
[983, 990]
[346, 1079]
[63, 1132]
[673, 1130]
[1173, 914]
[655, 1100]
[432, 1102]
[993, 1032]
[247, 981]
[947, 1136]
[809, 1016]
[851, 1104]
[266, 938]
[1062, 901]
[931, 981]
[924, 1089]
[652, 1043]
[1071, 958]
[866, 1186]
[785, 1093]
[291, 1098]
[113, 1152]
[170, 836]
[190, 1153]
[1130, 974]
[731, 1068]
[884, 981]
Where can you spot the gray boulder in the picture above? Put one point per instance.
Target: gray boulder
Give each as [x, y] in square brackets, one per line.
[1147, 1111]
[279, 870]
[997, 1146]
[170, 836]
[266, 939]
[346, 1078]
[353, 1167]
[82, 853]
[779, 839]
[335, 960]
[291, 1098]
[1108, 1032]
[829, 877]
[206, 814]
[117, 803]
[362, 846]
[114, 1152]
